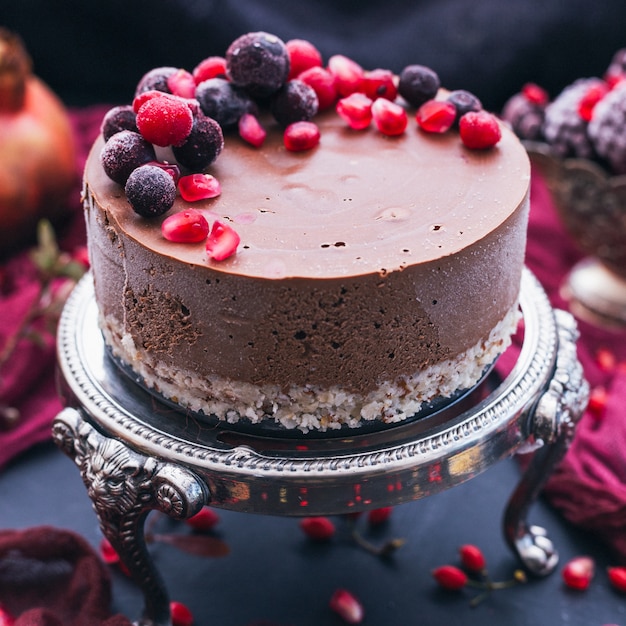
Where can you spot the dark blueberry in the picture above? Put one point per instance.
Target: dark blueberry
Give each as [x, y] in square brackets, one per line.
[417, 84]
[155, 79]
[124, 152]
[150, 190]
[294, 102]
[118, 118]
[223, 101]
[203, 145]
[258, 62]
[464, 102]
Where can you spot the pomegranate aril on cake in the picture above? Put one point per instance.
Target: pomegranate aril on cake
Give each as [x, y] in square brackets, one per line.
[292, 233]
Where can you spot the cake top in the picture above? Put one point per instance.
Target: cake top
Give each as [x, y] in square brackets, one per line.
[353, 201]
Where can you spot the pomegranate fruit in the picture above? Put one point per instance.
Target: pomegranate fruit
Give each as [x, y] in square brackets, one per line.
[38, 157]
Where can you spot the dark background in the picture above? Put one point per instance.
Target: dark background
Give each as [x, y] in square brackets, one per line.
[96, 51]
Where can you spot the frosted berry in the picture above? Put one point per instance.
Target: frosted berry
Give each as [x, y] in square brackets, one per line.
[525, 112]
[479, 130]
[348, 74]
[301, 136]
[323, 83]
[211, 67]
[180, 614]
[617, 577]
[124, 152]
[251, 130]
[150, 191]
[302, 56]
[206, 518]
[379, 83]
[181, 83]
[436, 116]
[223, 101]
[578, 573]
[165, 121]
[203, 144]
[390, 118]
[535, 94]
[116, 119]
[464, 102]
[347, 606]
[222, 241]
[450, 577]
[155, 79]
[188, 226]
[319, 528]
[607, 128]
[294, 102]
[472, 558]
[355, 110]
[418, 84]
[194, 187]
[258, 62]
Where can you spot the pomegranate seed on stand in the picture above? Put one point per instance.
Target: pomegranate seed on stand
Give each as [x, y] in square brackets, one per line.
[347, 606]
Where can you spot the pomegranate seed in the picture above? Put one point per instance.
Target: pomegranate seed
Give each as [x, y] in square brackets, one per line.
[194, 187]
[347, 606]
[211, 67]
[6, 619]
[450, 577]
[301, 136]
[535, 94]
[592, 96]
[182, 83]
[348, 74]
[606, 360]
[379, 84]
[472, 558]
[436, 116]
[250, 130]
[479, 130]
[165, 121]
[180, 614]
[171, 168]
[578, 572]
[188, 226]
[617, 577]
[390, 118]
[108, 553]
[323, 84]
[356, 110]
[379, 516]
[613, 80]
[205, 519]
[598, 399]
[222, 241]
[319, 528]
[302, 56]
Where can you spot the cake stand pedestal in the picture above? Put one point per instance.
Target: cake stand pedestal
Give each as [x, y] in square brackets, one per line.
[136, 453]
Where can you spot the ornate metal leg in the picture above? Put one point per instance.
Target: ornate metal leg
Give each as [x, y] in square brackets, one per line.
[552, 426]
[124, 487]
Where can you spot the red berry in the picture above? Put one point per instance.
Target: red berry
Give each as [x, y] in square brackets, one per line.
[319, 528]
[182, 84]
[206, 518]
[348, 74]
[222, 241]
[617, 577]
[479, 130]
[578, 572]
[606, 360]
[450, 577]
[347, 606]
[144, 96]
[323, 84]
[211, 67]
[194, 187]
[379, 84]
[590, 98]
[535, 94]
[390, 118]
[188, 226]
[436, 116]
[472, 558]
[379, 516]
[250, 130]
[598, 399]
[301, 136]
[302, 56]
[180, 614]
[356, 110]
[165, 121]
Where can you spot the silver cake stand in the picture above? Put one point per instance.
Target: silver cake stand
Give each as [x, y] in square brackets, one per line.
[137, 453]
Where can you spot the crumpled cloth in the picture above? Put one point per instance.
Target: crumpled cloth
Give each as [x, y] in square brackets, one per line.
[52, 577]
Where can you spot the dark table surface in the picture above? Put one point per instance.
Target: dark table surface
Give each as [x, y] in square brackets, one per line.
[274, 575]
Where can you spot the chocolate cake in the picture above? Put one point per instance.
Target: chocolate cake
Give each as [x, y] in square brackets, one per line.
[374, 274]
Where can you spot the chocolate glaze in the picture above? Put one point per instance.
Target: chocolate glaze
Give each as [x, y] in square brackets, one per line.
[362, 260]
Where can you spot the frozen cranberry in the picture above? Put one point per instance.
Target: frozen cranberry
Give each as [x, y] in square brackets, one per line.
[124, 152]
[323, 83]
[302, 56]
[418, 84]
[150, 191]
[203, 144]
[211, 67]
[294, 102]
[479, 130]
[165, 121]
